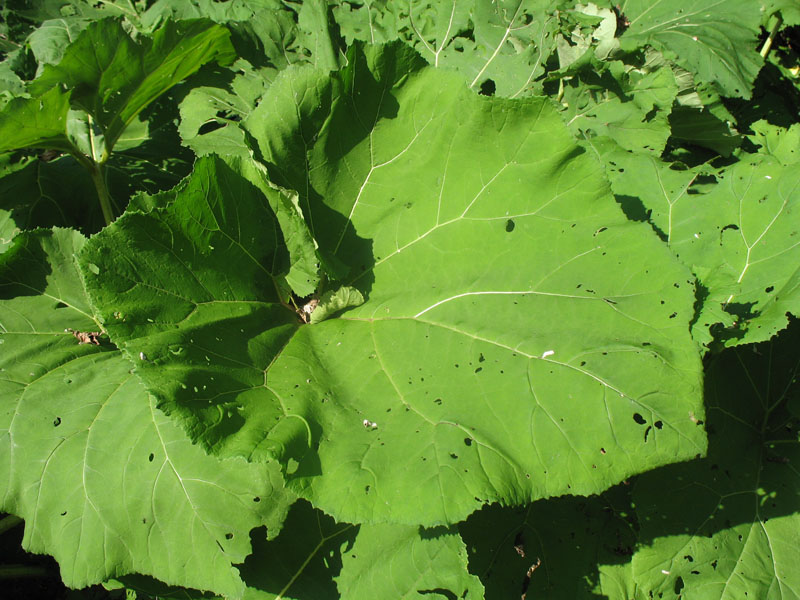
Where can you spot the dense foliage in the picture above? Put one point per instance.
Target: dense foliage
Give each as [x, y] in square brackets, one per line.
[458, 298]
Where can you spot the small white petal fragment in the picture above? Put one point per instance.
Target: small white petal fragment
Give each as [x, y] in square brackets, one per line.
[142, 356]
[767, 176]
[697, 236]
[664, 571]
[548, 353]
[369, 424]
[694, 37]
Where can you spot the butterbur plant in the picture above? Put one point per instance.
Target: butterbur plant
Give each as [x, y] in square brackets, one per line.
[458, 299]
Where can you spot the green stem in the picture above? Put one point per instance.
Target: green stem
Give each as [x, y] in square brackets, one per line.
[20, 571]
[98, 177]
[773, 32]
[9, 522]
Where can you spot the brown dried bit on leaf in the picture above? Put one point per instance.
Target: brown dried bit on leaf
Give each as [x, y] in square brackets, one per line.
[519, 544]
[86, 337]
[307, 309]
[527, 581]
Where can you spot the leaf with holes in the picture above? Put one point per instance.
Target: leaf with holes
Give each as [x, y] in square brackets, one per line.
[498, 47]
[727, 526]
[514, 322]
[106, 483]
[714, 39]
[740, 238]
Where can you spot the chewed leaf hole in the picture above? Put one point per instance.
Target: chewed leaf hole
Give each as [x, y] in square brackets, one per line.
[228, 536]
[56, 421]
[510, 226]
[468, 441]
[256, 499]
[659, 424]
[639, 419]
[151, 457]
[488, 88]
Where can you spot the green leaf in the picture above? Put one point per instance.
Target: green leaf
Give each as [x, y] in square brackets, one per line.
[510, 306]
[51, 193]
[114, 78]
[629, 105]
[39, 122]
[210, 115]
[715, 39]
[332, 302]
[49, 41]
[105, 482]
[413, 562]
[304, 272]
[701, 128]
[738, 238]
[213, 263]
[727, 526]
[779, 142]
[8, 229]
[500, 46]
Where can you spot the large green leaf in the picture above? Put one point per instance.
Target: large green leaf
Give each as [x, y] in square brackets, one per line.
[739, 238]
[716, 39]
[728, 526]
[113, 77]
[510, 306]
[105, 482]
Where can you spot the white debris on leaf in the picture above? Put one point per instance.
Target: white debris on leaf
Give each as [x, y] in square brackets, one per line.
[548, 353]
[369, 424]
[142, 356]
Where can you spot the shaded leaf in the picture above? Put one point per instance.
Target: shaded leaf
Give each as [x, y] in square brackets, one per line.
[727, 526]
[301, 563]
[113, 77]
[568, 548]
[106, 483]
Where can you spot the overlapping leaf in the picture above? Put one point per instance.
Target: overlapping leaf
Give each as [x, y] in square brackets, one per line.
[413, 562]
[498, 46]
[113, 77]
[629, 105]
[727, 526]
[105, 482]
[499, 280]
[715, 39]
[739, 238]
[566, 548]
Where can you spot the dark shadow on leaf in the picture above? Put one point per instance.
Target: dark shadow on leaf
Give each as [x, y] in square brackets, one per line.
[635, 210]
[749, 476]
[295, 557]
